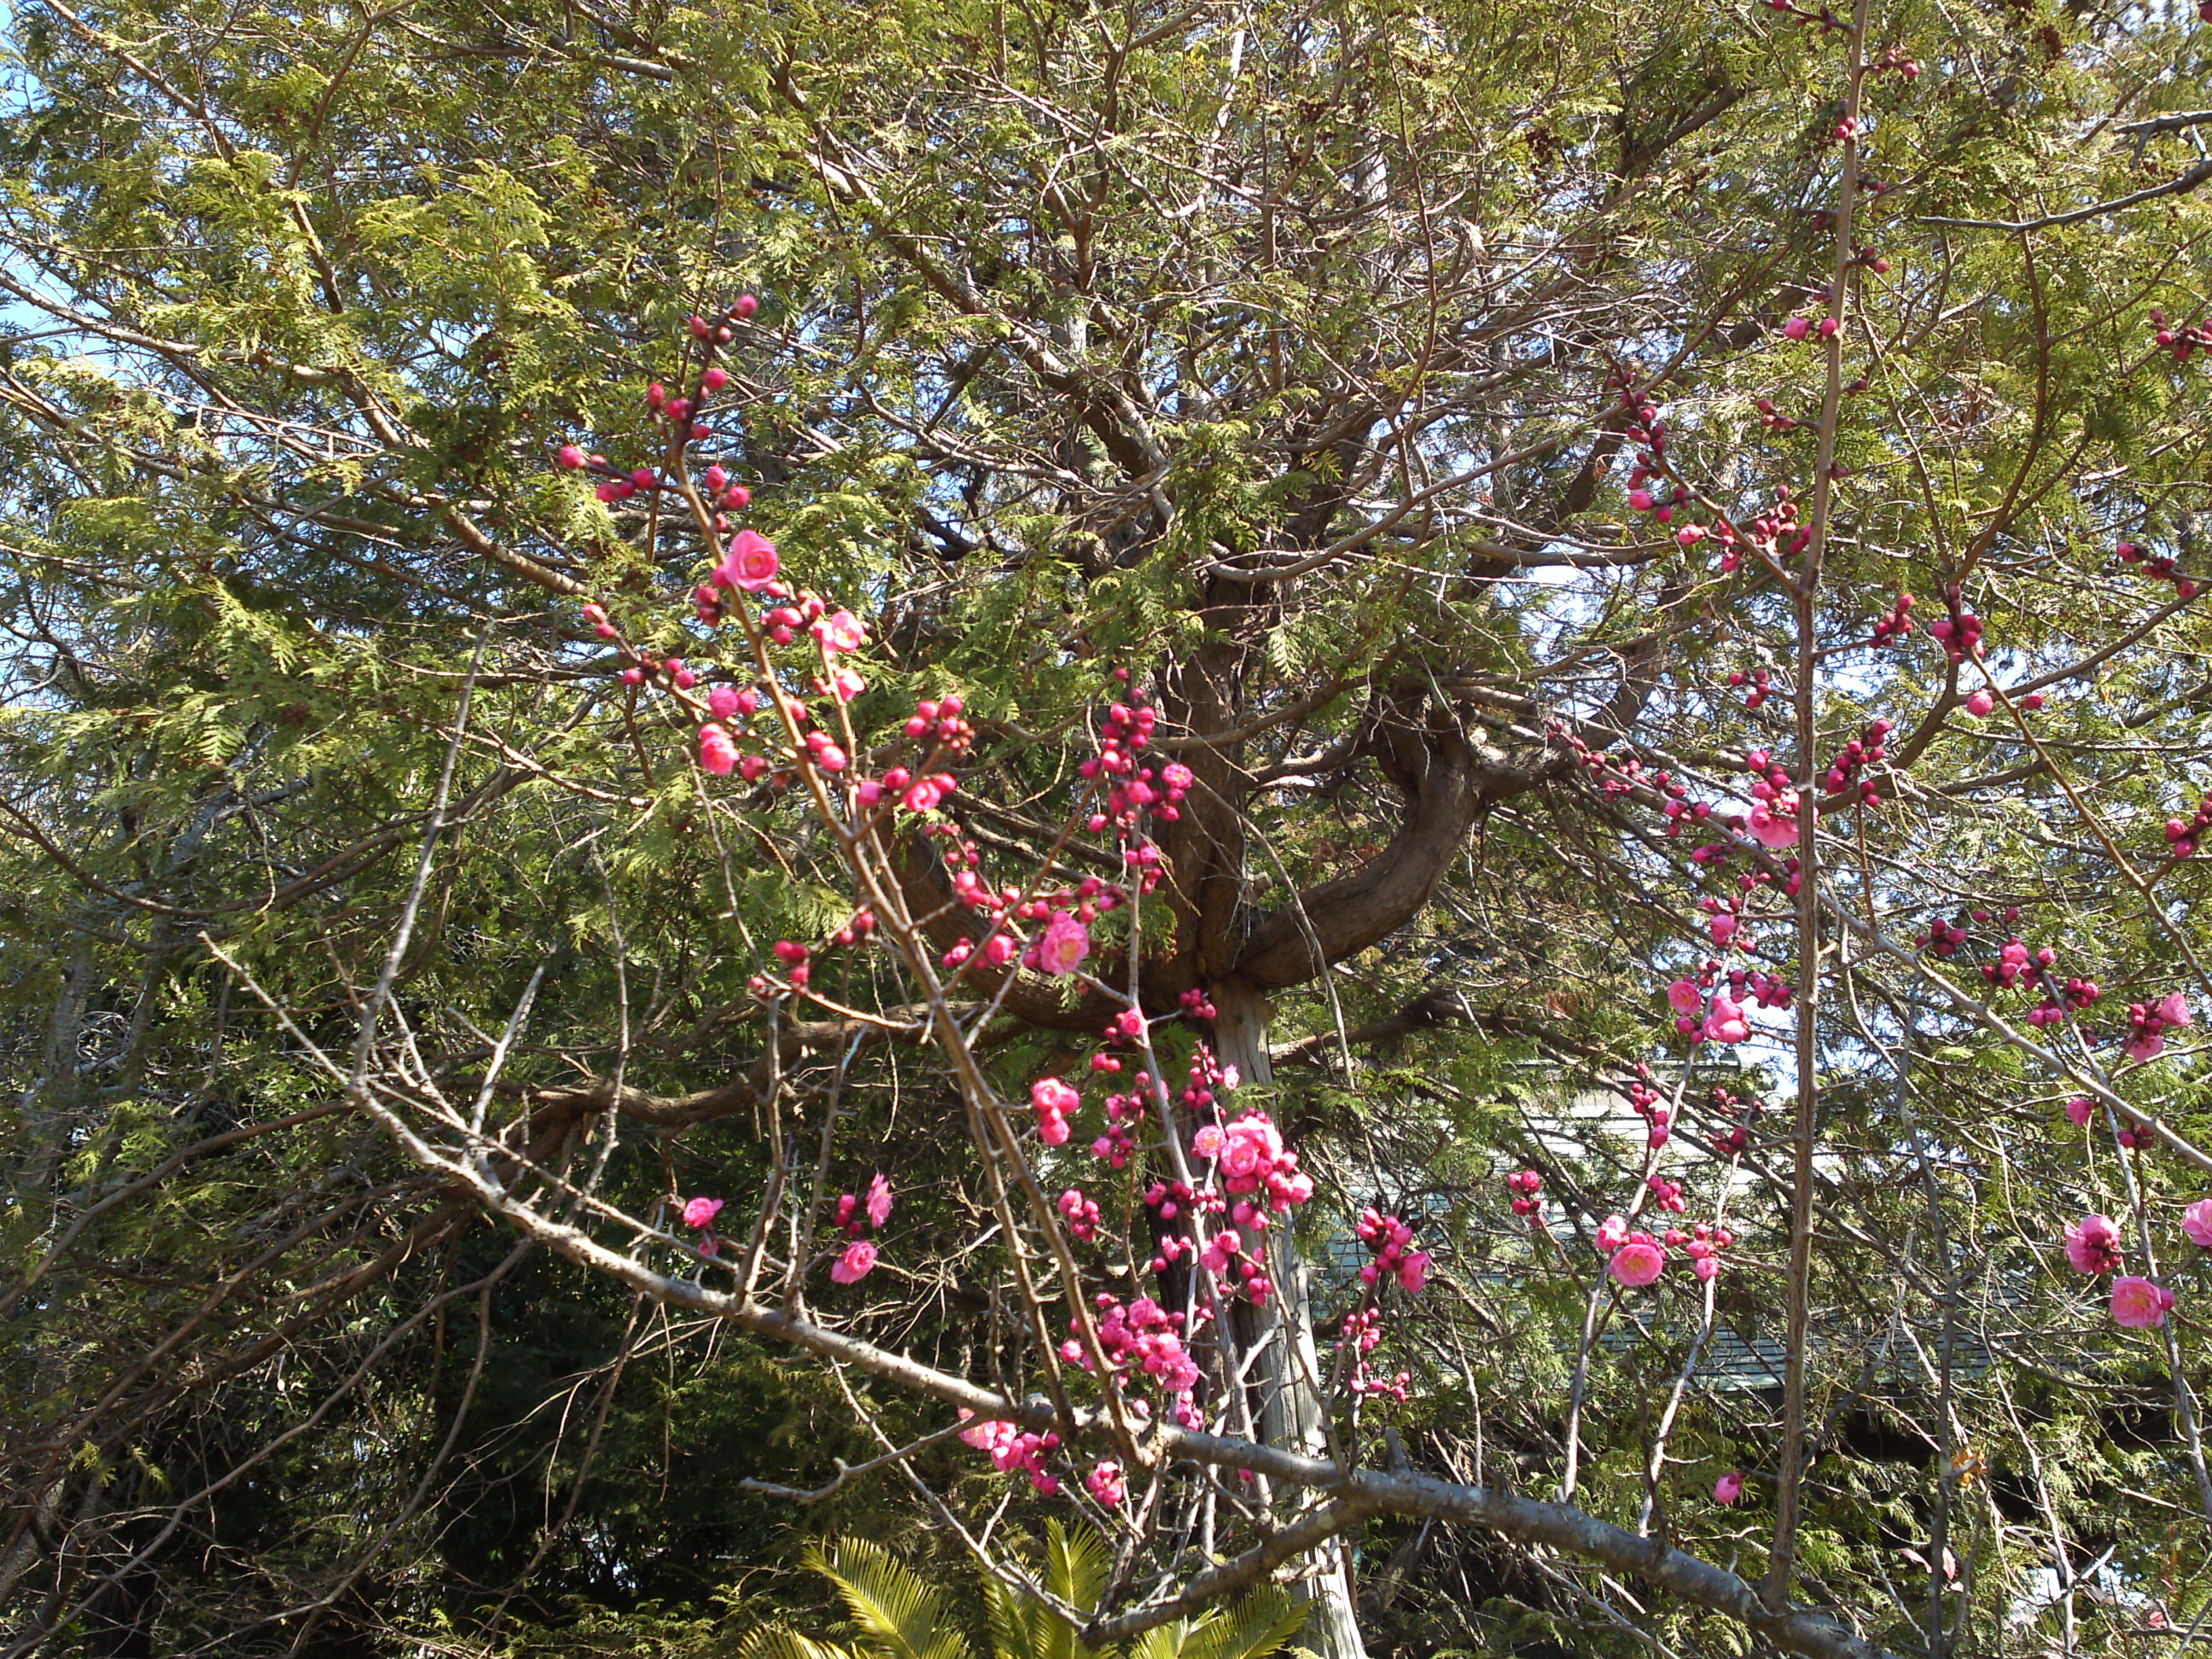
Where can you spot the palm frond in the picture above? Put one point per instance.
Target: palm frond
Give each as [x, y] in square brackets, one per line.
[1014, 1632]
[1161, 1642]
[900, 1615]
[1079, 1561]
[1255, 1626]
[781, 1642]
[1022, 1627]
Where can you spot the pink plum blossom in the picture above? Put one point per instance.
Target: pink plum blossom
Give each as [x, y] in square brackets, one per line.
[750, 563]
[1775, 826]
[1612, 1233]
[1726, 1023]
[1207, 1142]
[2093, 1244]
[2079, 1111]
[1064, 945]
[2196, 1222]
[723, 701]
[702, 1212]
[1221, 1250]
[855, 1264]
[879, 1201]
[1684, 997]
[1729, 1487]
[1053, 1101]
[1254, 1144]
[718, 754]
[1980, 704]
[841, 630]
[2138, 1303]
[1105, 1483]
[1638, 1261]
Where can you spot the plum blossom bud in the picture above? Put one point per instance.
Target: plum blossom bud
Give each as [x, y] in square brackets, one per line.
[717, 754]
[702, 1212]
[1105, 1483]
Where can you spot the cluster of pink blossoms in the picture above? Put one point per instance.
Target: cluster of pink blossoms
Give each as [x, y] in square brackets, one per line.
[1724, 1022]
[1143, 1337]
[1775, 534]
[2183, 835]
[1897, 623]
[1392, 1240]
[1012, 1448]
[1647, 1103]
[1758, 680]
[1704, 1246]
[1053, 1101]
[1857, 755]
[1362, 1332]
[1081, 1213]
[860, 1257]
[1125, 1122]
[2012, 963]
[1255, 1165]
[2062, 998]
[1525, 1184]
[2093, 1247]
[1105, 1483]
[1396, 1260]
[1638, 1258]
[2185, 338]
[2148, 1022]
[2161, 567]
[1132, 787]
[1961, 633]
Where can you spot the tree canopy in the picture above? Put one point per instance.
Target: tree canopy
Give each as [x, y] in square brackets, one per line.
[1556, 654]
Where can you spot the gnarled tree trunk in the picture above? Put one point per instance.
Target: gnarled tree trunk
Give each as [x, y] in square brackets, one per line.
[1288, 1370]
